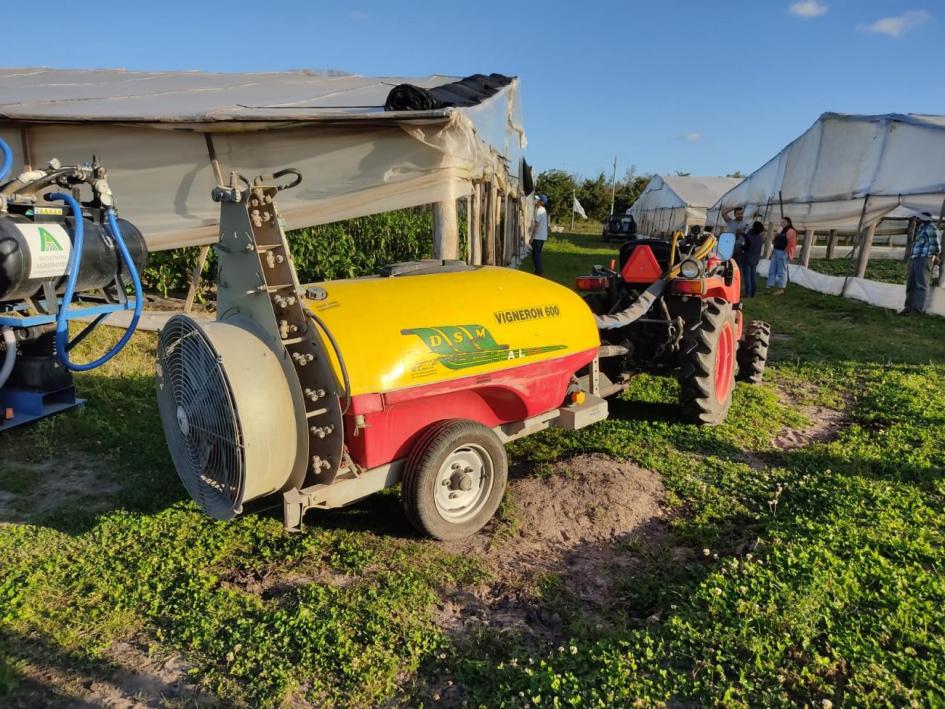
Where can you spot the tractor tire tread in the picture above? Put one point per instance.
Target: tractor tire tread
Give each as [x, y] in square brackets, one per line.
[696, 373]
[753, 352]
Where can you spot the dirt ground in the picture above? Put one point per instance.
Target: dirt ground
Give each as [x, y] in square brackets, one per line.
[585, 522]
[127, 678]
[576, 521]
[44, 488]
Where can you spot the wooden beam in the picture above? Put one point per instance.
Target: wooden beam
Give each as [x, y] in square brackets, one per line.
[506, 230]
[488, 254]
[810, 238]
[769, 240]
[832, 243]
[910, 235]
[197, 275]
[195, 278]
[445, 230]
[863, 259]
[475, 236]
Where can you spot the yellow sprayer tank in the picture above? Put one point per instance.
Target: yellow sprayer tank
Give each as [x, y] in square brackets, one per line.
[489, 344]
[326, 393]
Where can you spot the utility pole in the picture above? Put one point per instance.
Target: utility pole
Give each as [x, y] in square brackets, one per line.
[573, 200]
[613, 186]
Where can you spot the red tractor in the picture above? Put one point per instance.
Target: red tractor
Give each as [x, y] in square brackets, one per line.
[676, 306]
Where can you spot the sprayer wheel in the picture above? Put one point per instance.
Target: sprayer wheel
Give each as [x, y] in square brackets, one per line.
[454, 479]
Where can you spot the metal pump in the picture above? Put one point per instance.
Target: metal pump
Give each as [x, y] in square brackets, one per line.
[55, 249]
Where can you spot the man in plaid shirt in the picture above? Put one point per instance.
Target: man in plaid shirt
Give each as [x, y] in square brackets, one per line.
[925, 253]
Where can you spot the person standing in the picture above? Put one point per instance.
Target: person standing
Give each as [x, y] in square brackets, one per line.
[735, 221]
[539, 232]
[926, 251]
[750, 256]
[785, 243]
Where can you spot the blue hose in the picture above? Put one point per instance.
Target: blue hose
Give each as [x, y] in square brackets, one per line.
[75, 263]
[7, 158]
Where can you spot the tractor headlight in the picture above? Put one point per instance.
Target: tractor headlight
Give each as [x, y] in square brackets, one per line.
[690, 268]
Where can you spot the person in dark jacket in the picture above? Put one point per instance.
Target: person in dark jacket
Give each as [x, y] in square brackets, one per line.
[749, 257]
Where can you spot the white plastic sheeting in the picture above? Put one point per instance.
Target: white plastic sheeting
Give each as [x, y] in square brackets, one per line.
[674, 203]
[891, 296]
[848, 171]
[148, 129]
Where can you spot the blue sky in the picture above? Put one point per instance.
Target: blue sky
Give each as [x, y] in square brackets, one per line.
[705, 87]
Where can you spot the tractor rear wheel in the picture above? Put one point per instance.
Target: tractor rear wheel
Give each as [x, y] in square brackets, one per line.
[753, 352]
[454, 479]
[707, 371]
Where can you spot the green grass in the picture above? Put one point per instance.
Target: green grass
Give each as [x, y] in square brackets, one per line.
[883, 270]
[823, 578]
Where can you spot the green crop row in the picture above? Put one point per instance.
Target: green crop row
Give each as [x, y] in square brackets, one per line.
[354, 247]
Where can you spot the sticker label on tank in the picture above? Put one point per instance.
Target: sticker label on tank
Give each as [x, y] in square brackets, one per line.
[464, 346]
[50, 248]
[507, 317]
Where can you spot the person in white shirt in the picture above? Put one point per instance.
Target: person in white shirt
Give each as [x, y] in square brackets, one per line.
[539, 232]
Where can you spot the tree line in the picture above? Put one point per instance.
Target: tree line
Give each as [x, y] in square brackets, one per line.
[592, 192]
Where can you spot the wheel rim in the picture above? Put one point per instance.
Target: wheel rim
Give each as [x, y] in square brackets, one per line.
[725, 362]
[464, 483]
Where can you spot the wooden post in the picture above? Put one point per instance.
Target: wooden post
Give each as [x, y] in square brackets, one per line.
[863, 259]
[810, 238]
[573, 200]
[488, 255]
[27, 146]
[475, 236]
[445, 230]
[506, 231]
[910, 235]
[769, 240]
[831, 243]
[197, 275]
[195, 278]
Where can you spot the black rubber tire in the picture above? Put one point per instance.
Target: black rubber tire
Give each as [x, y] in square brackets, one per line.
[753, 352]
[698, 393]
[423, 464]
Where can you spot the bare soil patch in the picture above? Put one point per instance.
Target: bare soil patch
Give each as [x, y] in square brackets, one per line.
[580, 523]
[38, 489]
[823, 427]
[276, 582]
[127, 677]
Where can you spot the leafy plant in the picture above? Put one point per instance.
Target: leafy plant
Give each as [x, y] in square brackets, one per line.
[354, 247]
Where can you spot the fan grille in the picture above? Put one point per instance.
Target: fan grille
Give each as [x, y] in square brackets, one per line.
[200, 418]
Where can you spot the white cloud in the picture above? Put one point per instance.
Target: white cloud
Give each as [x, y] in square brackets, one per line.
[807, 8]
[692, 136]
[359, 15]
[897, 26]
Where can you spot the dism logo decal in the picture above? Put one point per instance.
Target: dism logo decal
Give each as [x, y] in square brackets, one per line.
[463, 346]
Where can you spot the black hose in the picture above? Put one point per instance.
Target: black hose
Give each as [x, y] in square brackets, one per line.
[341, 360]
